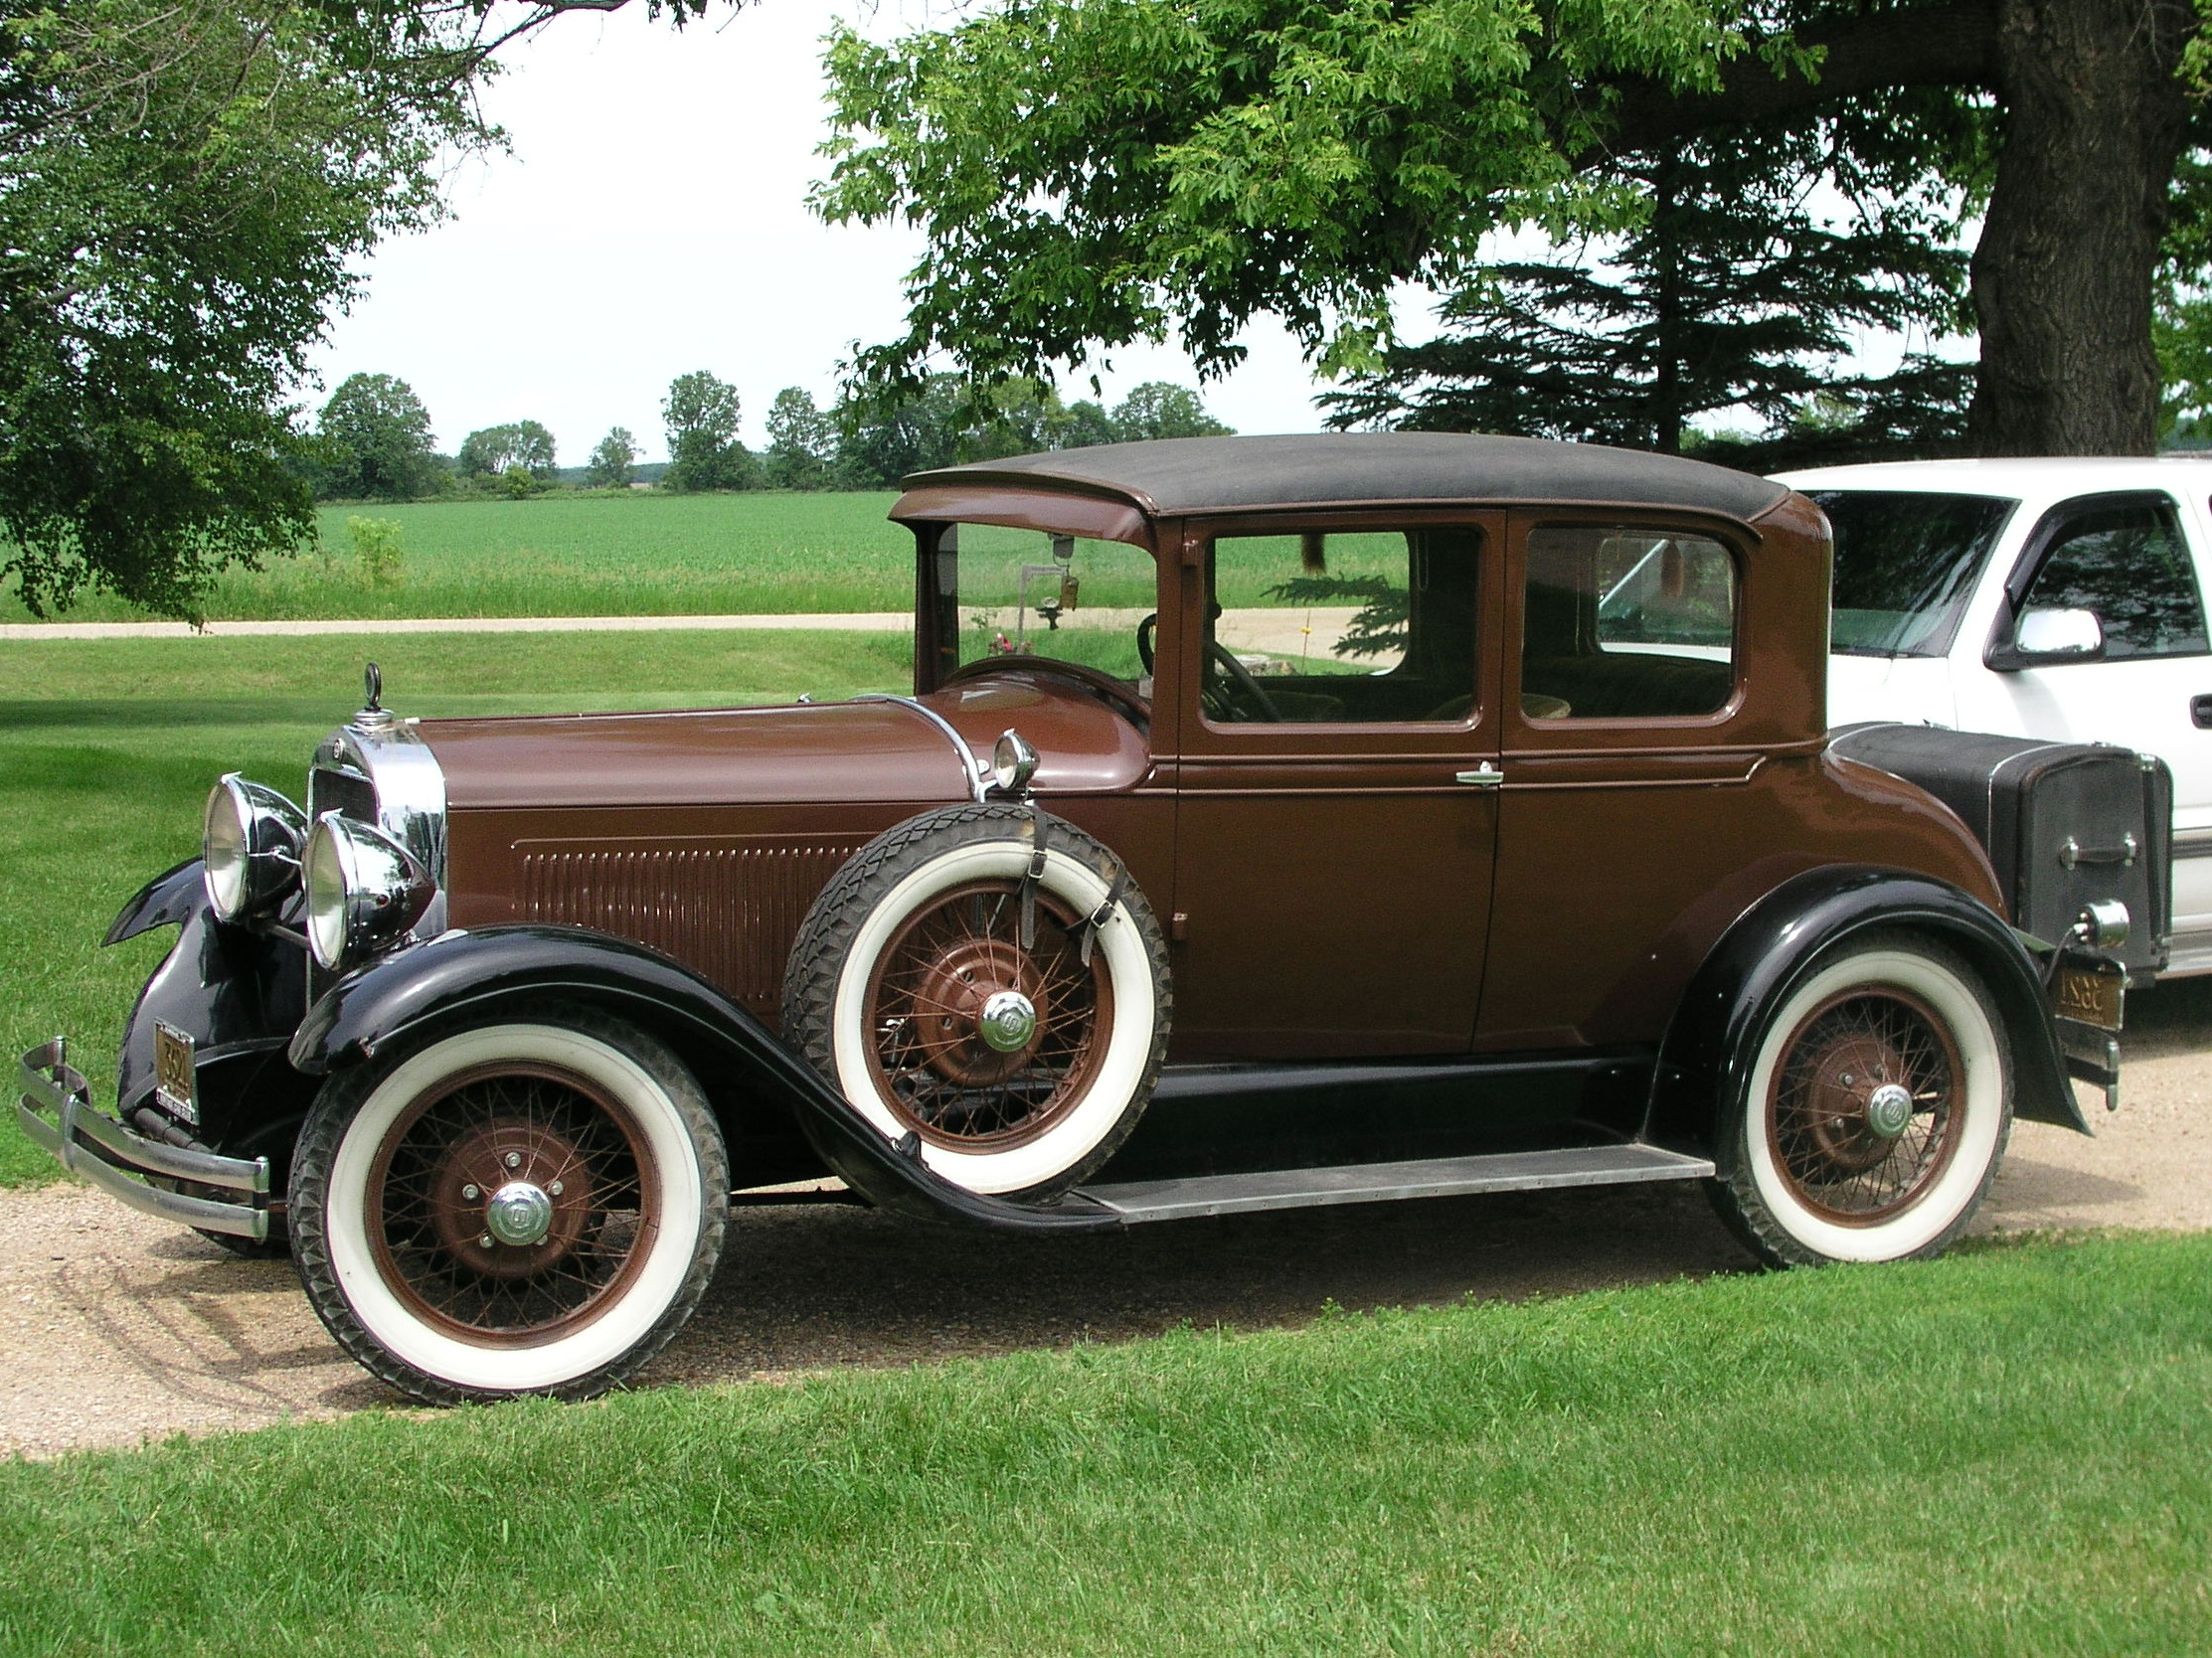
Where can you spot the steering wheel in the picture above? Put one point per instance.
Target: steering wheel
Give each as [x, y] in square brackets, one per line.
[1096, 681]
[1219, 655]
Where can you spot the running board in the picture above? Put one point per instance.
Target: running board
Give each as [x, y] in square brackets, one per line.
[1441, 1177]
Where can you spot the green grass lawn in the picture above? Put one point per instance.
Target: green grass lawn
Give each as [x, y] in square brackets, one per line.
[107, 750]
[2002, 1452]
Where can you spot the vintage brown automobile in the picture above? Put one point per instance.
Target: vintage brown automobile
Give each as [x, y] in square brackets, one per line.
[1274, 822]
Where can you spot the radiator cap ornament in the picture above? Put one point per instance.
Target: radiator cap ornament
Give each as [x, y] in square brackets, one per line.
[374, 715]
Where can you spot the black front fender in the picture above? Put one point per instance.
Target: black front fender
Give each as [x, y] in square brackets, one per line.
[1706, 1058]
[472, 974]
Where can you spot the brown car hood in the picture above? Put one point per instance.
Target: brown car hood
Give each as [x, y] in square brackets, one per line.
[796, 752]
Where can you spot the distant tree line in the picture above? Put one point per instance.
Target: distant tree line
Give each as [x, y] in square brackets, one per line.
[373, 439]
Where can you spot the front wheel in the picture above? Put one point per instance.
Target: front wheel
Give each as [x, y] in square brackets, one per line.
[523, 1206]
[1878, 1107]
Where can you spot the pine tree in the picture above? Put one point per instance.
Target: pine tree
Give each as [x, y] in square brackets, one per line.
[1732, 292]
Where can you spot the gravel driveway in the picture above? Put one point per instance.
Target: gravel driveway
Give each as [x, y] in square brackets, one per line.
[116, 1327]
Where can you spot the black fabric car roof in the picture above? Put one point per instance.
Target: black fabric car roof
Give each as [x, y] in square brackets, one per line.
[1201, 475]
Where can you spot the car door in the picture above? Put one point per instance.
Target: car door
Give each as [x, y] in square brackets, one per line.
[2126, 559]
[1335, 807]
[1637, 777]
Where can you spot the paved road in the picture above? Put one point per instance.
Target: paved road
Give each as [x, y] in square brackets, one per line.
[116, 1327]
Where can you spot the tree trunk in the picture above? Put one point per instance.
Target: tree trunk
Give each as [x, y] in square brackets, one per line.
[2095, 122]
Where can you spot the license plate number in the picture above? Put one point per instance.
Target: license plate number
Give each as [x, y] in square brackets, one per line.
[2093, 997]
[175, 1087]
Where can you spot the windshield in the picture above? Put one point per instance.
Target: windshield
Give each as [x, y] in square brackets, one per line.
[1021, 592]
[1906, 564]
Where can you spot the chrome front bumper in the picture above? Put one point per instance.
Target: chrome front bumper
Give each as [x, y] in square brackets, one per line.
[56, 1109]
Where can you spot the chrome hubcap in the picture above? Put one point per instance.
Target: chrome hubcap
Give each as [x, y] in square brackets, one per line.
[1008, 1022]
[1889, 1110]
[519, 1214]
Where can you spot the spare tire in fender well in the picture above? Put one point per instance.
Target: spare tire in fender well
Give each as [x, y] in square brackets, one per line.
[1706, 1053]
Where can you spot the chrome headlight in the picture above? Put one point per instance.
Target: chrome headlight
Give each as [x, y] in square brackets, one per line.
[365, 891]
[1013, 762]
[250, 848]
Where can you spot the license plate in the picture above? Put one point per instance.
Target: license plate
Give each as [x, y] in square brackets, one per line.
[2094, 997]
[175, 1089]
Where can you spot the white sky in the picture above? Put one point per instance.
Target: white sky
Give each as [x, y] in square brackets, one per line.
[650, 219]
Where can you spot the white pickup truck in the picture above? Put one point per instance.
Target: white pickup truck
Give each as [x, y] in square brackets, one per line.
[2047, 598]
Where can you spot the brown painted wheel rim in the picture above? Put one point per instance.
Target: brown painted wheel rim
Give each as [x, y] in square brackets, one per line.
[1819, 1130]
[476, 1132]
[924, 998]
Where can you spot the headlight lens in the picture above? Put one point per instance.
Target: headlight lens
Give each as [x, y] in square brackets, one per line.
[365, 891]
[250, 848]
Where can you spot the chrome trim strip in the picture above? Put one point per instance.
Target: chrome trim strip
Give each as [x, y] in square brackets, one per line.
[2192, 843]
[978, 775]
[90, 1143]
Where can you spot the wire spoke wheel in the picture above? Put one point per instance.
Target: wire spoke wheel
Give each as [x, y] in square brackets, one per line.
[942, 1065]
[1874, 1107]
[527, 1204]
[567, 1160]
[1015, 1053]
[1861, 1112]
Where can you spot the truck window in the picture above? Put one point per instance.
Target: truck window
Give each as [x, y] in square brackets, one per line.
[2126, 561]
[1906, 564]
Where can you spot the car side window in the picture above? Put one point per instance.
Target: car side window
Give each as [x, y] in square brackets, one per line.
[1341, 628]
[2127, 563]
[1623, 621]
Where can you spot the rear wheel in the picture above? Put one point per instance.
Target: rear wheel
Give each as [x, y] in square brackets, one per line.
[1878, 1108]
[1014, 1027]
[529, 1207]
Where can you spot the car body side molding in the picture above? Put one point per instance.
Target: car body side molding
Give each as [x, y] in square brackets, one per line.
[1711, 1044]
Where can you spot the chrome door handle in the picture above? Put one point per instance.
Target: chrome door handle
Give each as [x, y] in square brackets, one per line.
[1484, 775]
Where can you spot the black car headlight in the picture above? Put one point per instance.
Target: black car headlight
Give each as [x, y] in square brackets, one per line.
[365, 891]
[250, 848]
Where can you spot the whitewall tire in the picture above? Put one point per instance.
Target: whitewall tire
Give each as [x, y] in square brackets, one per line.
[532, 1205]
[1018, 1064]
[1877, 1108]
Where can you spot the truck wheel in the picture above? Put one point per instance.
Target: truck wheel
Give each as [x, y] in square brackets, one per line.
[1018, 1063]
[1878, 1108]
[512, 1208]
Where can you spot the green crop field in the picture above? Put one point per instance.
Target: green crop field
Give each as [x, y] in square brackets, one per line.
[644, 553]
[652, 555]
[2002, 1452]
[107, 750]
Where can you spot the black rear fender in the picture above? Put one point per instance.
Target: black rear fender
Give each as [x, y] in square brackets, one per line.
[1706, 1058]
[407, 996]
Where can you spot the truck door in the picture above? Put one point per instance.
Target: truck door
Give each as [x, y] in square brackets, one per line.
[2146, 680]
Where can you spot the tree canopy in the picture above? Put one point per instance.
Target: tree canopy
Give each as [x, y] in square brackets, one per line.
[942, 423]
[494, 449]
[377, 440]
[701, 416]
[614, 461]
[1734, 293]
[1095, 172]
[186, 187]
